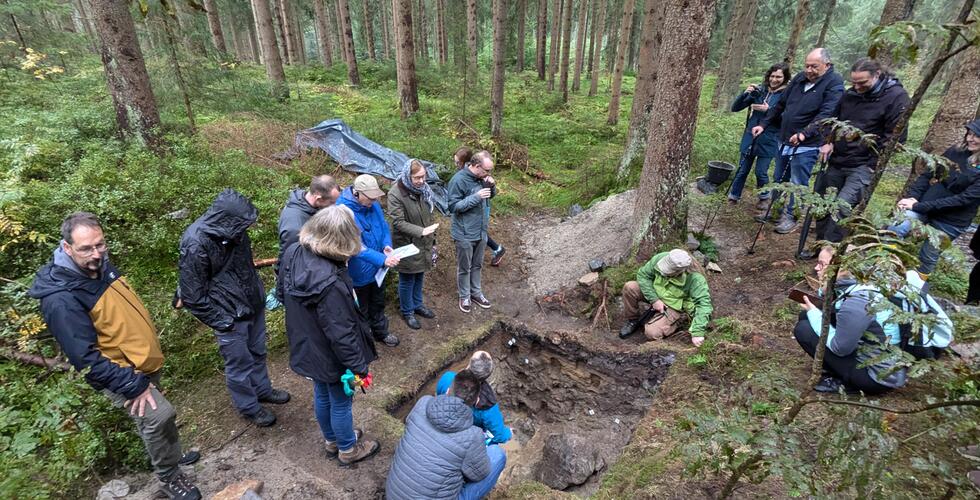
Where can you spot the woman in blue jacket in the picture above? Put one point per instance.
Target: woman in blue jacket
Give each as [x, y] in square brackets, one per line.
[765, 147]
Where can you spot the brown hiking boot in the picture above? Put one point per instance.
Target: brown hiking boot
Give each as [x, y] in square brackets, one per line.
[361, 450]
[331, 446]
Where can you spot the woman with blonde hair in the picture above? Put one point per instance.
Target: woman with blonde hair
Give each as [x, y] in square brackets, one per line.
[328, 335]
[411, 207]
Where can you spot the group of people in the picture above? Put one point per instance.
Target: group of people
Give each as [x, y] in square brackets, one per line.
[335, 249]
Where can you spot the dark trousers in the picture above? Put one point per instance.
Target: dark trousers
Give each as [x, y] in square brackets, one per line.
[973, 295]
[243, 350]
[851, 184]
[492, 245]
[842, 367]
[371, 302]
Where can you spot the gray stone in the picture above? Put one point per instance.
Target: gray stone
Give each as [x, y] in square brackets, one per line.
[568, 460]
[692, 242]
[575, 210]
[714, 267]
[117, 488]
[179, 214]
[597, 265]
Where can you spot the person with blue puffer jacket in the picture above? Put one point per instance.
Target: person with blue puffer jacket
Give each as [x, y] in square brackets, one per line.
[362, 199]
[486, 410]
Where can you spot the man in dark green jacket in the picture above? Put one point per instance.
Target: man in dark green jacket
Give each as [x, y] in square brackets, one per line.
[674, 291]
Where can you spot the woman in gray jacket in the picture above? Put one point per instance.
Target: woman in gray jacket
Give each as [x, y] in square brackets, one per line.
[410, 206]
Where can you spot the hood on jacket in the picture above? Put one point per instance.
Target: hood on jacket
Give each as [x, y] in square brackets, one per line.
[305, 274]
[297, 201]
[229, 216]
[449, 414]
[347, 199]
[884, 84]
[61, 273]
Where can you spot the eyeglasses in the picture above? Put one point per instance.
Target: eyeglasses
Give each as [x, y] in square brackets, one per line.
[89, 250]
[418, 177]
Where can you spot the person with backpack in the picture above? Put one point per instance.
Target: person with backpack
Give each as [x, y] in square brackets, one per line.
[928, 341]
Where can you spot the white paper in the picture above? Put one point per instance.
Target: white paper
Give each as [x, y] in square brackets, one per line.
[400, 252]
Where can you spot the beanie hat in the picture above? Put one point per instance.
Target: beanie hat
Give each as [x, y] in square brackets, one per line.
[675, 262]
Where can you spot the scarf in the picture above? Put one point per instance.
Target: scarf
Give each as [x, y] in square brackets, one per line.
[425, 192]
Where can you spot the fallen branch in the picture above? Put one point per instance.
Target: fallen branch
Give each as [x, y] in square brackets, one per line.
[602, 311]
[260, 263]
[35, 360]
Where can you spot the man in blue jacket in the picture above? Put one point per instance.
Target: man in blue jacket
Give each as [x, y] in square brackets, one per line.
[362, 199]
[811, 96]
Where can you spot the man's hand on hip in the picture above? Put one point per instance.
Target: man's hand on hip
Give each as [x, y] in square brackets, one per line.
[137, 405]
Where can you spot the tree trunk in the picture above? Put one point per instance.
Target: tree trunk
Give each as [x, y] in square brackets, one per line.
[566, 45]
[298, 33]
[617, 83]
[270, 53]
[443, 55]
[660, 214]
[288, 31]
[597, 50]
[893, 12]
[348, 36]
[181, 83]
[277, 19]
[253, 43]
[323, 33]
[590, 50]
[337, 31]
[408, 96]
[958, 107]
[822, 39]
[634, 45]
[583, 8]
[646, 83]
[423, 31]
[367, 20]
[386, 30]
[214, 24]
[556, 17]
[542, 36]
[737, 39]
[612, 41]
[521, 33]
[471, 67]
[499, 57]
[126, 76]
[799, 22]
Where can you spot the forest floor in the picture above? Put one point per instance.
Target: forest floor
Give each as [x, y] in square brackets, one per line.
[751, 290]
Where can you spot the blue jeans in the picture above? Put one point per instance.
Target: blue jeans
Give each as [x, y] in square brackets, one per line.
[799, 170]
[333, 412]
[928, 254]
[243, 350]
[482, 488]
[761, 175]
[410, 292]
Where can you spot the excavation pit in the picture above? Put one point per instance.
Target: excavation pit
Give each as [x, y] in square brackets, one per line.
[572, 409]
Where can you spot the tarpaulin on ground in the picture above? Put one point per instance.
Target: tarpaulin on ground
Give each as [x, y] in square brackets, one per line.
[358, 154]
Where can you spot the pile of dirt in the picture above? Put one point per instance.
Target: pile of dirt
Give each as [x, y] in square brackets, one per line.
[558, 252]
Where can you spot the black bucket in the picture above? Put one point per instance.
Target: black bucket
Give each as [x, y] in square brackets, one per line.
[718, 171]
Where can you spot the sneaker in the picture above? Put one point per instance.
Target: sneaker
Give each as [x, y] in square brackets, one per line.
[262, 418]
[425, 312]
[411, 321]
[389, 339]
[807, 254]
[829, 384]
[180, 488]
[786, 224]
[971, 452]
[361, 450]
[480, 300]
[628, 328]
[331, 446]
[189, 458]
[275, 397]
[464, 305]
[498, 256]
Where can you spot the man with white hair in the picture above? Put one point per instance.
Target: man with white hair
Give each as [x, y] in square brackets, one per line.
[675, 294]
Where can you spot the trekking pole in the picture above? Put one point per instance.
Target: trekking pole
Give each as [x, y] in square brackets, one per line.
[808, 219]
[742, 160]
[773, 198]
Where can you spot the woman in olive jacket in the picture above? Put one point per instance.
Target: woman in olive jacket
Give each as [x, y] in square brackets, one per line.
[410, 206]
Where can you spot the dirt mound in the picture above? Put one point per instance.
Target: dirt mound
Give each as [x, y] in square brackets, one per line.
[558, 252]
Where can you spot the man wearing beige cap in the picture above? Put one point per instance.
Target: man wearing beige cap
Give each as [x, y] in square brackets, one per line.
[362, 199]
[675, 293]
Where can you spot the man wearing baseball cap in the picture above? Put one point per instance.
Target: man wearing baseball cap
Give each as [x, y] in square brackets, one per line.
[362, 199]
[676, 294]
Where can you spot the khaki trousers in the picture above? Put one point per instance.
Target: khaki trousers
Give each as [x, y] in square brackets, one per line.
[661, 325]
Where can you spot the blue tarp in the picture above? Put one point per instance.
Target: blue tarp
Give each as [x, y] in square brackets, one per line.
[358, 154]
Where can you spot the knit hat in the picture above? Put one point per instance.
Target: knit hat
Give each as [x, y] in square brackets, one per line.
[674, 263]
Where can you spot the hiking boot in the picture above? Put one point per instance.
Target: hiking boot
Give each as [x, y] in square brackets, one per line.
[389, 339]
[276, 397]
[829, 384]
[498, 255]
[807, 254]
[787, 223]
[331, 446]
[480, 300]
[628, 328]
[974, 477]
[971, 452]
[262, 418]
[732, 202]
[762, 205]
[189, 458]
[361, 450]
[464, 305]
[179, 488]
[411, 321]
[425, 312]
